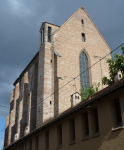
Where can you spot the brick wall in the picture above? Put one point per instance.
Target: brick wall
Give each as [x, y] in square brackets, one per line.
[32, 96]
[13, 114]
[45, 106]
[28, 103]
[23, 105]
[68, 43]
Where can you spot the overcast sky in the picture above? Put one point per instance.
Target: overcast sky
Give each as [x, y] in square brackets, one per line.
[20, 21]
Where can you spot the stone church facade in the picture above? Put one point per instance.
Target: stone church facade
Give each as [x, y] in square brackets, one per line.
[41, 91]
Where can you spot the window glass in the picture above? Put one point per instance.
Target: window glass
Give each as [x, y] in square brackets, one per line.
[84, 77]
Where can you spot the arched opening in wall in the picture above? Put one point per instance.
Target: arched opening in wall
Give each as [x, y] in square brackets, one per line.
[84, 72]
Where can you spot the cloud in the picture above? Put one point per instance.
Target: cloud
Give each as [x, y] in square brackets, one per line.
[5, 87]
[33, 12]
[7, 76]
[19, 8]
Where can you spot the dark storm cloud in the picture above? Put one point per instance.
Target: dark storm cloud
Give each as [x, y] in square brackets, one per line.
[20, 21]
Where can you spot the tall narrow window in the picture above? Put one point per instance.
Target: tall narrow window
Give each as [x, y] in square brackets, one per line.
[82, 21]
[84, 72]
[85, 125]
[47, 140]
[118, 112]
[43, 35]
[37, 142]
[83, 37]
[30, 144]
[21, 147]
[96, 121]
[49, 34]
[72, 130]
[59, 135]
[41, 38]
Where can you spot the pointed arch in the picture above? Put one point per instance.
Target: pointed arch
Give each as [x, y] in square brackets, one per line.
[84, 61]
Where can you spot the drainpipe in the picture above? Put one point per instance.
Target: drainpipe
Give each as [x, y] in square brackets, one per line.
[24, 143]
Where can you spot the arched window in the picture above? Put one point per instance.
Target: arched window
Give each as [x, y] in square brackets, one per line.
[84, 77]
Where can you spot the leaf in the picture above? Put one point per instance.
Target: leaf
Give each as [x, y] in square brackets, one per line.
[87, 92]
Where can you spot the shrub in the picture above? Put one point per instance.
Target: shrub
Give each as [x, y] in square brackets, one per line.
[87, 92]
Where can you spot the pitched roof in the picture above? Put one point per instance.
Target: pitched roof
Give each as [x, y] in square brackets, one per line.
[91, 22]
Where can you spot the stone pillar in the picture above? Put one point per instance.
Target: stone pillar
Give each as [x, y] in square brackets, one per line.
[45, 96]
[23, 106]
[12, 115]
[6, 131]
[45, 102]
[33, 97]
[40, 89]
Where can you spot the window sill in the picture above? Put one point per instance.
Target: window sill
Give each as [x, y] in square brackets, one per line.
[72, 142]
[118, 128]
[86, 138]
[95, 135]
[60, 146]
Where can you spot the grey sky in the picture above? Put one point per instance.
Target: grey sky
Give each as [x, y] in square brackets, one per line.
[20, 21]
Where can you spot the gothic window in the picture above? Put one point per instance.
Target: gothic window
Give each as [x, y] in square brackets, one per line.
[84, 75]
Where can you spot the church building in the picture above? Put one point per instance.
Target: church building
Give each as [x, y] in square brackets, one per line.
[64, 63]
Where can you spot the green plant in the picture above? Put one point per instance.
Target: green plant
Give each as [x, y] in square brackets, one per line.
[87, 92]
[115, 64]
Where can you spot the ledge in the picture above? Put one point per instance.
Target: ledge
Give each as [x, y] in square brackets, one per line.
[86, 138]
[96, 135]
[72, 142]
[60, 146]
[118, 128]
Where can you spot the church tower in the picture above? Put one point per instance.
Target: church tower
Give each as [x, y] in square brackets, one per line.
[54, 77]
[45, 100]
